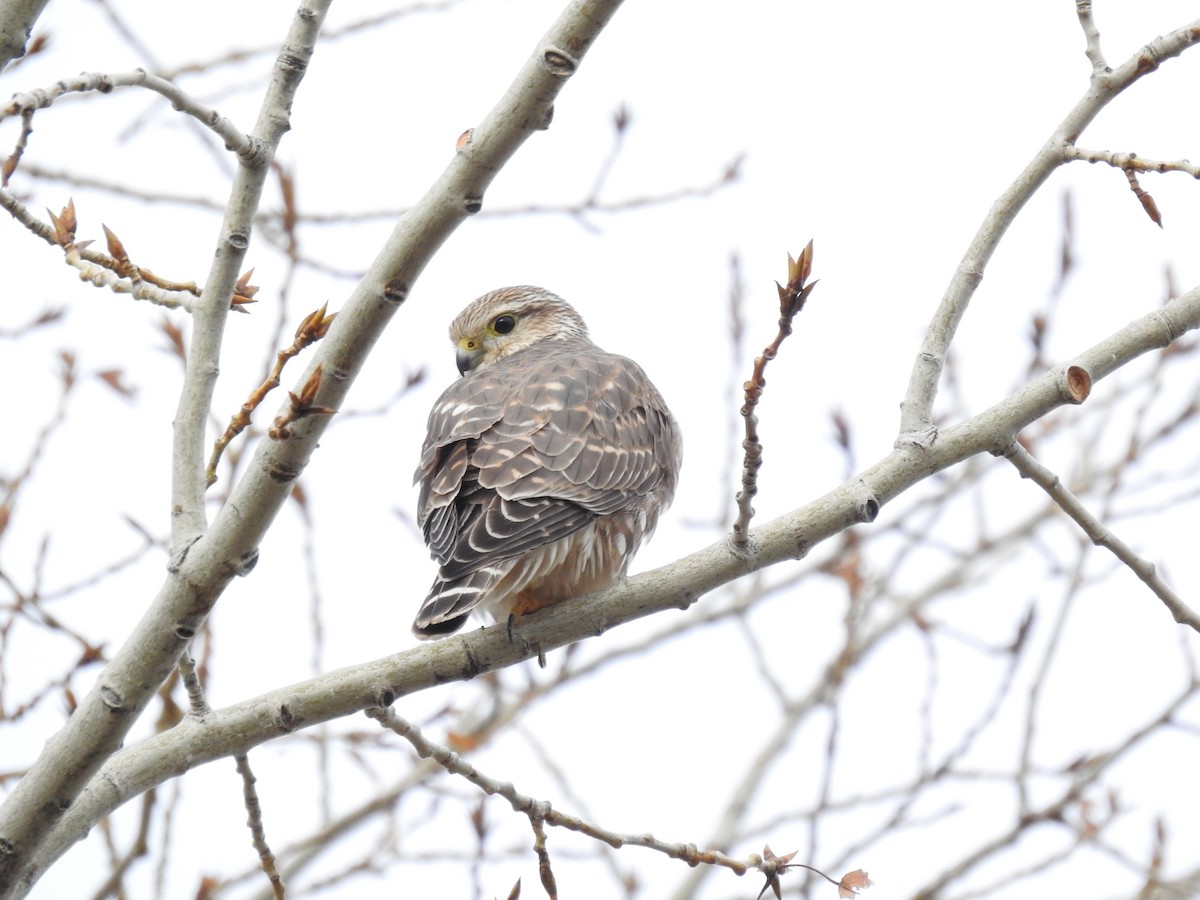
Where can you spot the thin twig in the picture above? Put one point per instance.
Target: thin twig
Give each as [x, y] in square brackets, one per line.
[28, 102]
[311, 329]
[255, 822]
[917, 427]
[792, 297]
[14, 158]
[541, 809]
[1100, 535]
[1130, 162]
[191, 684]
[1094, 54]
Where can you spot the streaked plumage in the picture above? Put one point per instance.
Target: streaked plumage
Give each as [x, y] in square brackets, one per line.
[544, 466]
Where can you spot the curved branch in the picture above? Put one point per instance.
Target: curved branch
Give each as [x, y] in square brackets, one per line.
[916, 418]
[201, 570]
[181, 100]
[98, 726]
[237, 728]
[1099, 534]
[16, 24]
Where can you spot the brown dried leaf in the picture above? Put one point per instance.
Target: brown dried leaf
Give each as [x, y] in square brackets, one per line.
[323, 328]
[779, 861]
[479, 820]
[308, 393]
[312, 323]
[67, 374]
[315, 325]
[803, 265]
[39, 43]
[772, 866]
[287, 190]
[463, 741]
[174, 336]
[208, 888]
[115, 379]
[793, 295]
[853, 883]
[64, 224]
[300, 496]
[244, 291]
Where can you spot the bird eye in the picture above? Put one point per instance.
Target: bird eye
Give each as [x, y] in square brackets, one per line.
[504, 324]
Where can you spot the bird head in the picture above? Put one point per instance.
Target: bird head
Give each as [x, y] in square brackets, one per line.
[509, 319]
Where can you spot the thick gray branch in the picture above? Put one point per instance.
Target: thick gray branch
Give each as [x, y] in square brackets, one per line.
[202, 569]
[238, 728]
[17, 18]
[98, 726]
[916, 419]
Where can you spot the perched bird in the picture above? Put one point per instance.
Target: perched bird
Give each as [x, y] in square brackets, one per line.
[544, 466]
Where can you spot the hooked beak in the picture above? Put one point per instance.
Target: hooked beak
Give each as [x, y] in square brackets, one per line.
[467, 359]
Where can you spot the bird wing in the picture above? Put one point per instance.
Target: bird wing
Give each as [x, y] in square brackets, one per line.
[532, 448]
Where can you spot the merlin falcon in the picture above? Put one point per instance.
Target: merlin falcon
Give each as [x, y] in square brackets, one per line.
[545, 466]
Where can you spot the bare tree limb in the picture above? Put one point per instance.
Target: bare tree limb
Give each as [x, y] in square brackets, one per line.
[244, 725]
[203, 563]
[16, 24]
[1087, 21]
[916, 418]
[541, 811]
[792, 298]
[181, 100]
[1056, 809]
[1100, 535]
[1131, 162]
[98, 726]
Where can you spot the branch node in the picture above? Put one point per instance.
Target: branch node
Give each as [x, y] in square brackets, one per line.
[1076, 384]
[559, 63]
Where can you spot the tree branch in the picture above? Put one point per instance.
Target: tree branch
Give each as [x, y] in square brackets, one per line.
[16, 24]
[200, 571]
[98, 727]
[237, 728]
[1100, 535]
[916, 418]
[541, 810]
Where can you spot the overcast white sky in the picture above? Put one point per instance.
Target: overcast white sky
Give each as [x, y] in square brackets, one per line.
[882, 130]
